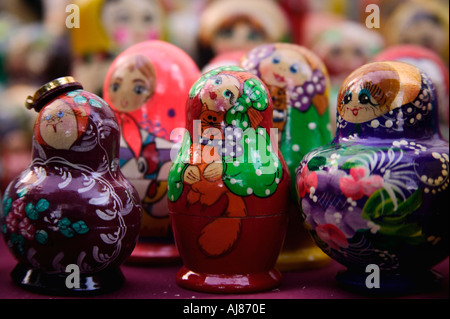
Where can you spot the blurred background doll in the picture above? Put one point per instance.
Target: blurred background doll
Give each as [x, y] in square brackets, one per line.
[147, 86]
[229, 25]
[420, 22]
[107, 27]
[183, 23]
[33, 50]
[432, 64]
[344, 46]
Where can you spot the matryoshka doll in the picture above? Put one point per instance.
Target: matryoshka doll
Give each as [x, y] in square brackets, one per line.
[420, 22]
[377, 196]
[72, 206]
[299, 86]
[430, 63]
[147, 86]
[230, 25]
[343, 47]
[228, 187]
[108, 27]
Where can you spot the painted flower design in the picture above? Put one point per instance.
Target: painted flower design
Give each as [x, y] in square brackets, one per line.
[332, 235]
[360, 183]
[307, 180]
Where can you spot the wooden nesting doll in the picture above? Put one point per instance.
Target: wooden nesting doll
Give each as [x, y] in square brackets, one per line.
[108, 27]
[147, 86]
[377, 196]
[228, 187]
[430, 63]
[420, 22]
[343, 47]
[72, 206]
[298, 84]
[229, 25]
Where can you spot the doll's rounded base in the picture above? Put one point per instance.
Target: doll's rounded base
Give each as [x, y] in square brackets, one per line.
[228, 283]
[154, 254]
[302, 259]
[389, 284]
[37, 281]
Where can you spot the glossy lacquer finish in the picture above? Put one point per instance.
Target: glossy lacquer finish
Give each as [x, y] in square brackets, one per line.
[299, 86]
[378, 194]
[228, 187]
[147, 86]
[72, 205]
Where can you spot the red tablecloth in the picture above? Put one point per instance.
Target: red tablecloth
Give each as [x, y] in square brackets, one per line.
[159, 283]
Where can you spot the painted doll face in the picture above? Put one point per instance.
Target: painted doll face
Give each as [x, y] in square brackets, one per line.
[285, 67]
[220, 92]
[369, 93]
[132, 84]
[240, 34]
[426, 31]
[342, 58]
[58, 125]
[127, 22]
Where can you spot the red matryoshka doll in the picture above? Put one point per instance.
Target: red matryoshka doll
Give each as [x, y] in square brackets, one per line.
[72, 206]
[147, 86]
[430, 63]
[299, 86]
[106, 28]
[228, 187]
[229, 25]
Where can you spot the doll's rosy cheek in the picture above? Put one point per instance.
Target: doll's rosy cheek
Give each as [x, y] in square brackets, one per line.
[121, 35]
[152, 35]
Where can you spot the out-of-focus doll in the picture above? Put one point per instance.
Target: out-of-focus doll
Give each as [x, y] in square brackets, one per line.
[32, 52]
[431, 63]
[229, 25]
[183, 23]
[343, 47]
[420, 22]
[147, 86]
[223, 59]
[296, 10]
[107, 27]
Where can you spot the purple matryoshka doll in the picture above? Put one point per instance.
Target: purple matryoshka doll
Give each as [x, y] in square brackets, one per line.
[147, 86]
[72, 206]
[299, 86]
[377, 195]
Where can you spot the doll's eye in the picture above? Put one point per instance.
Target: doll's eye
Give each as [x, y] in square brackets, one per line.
[358, 52]
[226, 33]
[348, 98]
[148, 18]
[363, 99]
[115, 87]
[139, 89]
[47, 117]
[364, 96]
[60, 114]
[276, 60]
[336, 51]
[124, 18]
[294, 68]
[254, 35]
[228, 93]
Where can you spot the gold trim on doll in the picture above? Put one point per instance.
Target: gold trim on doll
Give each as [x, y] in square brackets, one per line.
[374, 90]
